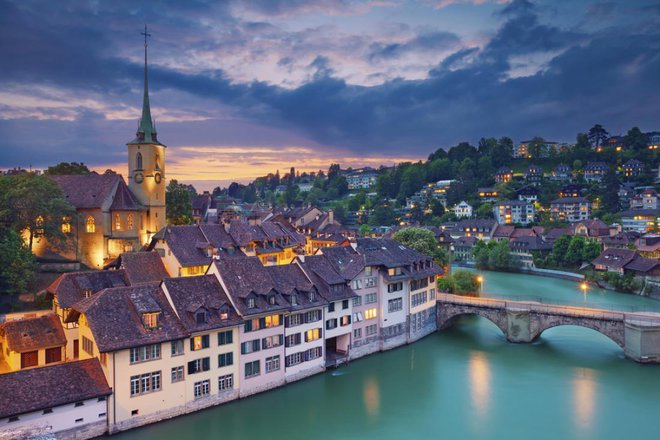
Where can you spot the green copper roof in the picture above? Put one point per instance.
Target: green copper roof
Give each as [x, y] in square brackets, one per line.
[146, 133]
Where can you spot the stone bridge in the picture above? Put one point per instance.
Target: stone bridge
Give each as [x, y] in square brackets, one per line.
[638, 334]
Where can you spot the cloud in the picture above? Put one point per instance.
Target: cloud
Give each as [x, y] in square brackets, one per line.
[71, 88]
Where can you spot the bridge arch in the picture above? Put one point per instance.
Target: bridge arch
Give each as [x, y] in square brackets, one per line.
[448, 316]
[614, 336]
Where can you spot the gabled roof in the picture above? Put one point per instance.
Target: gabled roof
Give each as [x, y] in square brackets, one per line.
[345, 260]
[182, 241]
[88, 191]
[115, 317]
[530, 243]
[37, 389]
[124, 200]
[30, 334]
[330, 284]
[245, 277]
[217, 236]
[190, 294]
[614, 258]
[290, 280]
[70, 288]
[465, 242]
[143, 267]
[569, 200]
[503, 231]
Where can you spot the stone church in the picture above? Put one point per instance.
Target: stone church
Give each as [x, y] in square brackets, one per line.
[111, 216]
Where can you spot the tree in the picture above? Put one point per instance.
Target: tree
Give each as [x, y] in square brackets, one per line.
[465, 281]
[365, 230]
[485, 211]
[537, 148]
[560, 247]
[500, 256]
[18, 266]
[575, 251]
[610, 197]
[383, 216]
[437, 208]
[179, 204]
[481, 254]
[597, 136]
[591, 250]
[36, 208]
[66, 168]
[635, 140]
[423, 240]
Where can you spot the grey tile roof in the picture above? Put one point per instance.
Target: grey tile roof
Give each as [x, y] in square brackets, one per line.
[192, 294]
[88, 190]
[345, 260]
[30, 334]
[37, 389]
[115, 317]
[69, 288]
[143, 267]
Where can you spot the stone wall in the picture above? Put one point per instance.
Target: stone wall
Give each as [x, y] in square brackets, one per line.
[305, 373]
[82, 432]
[263, 387]
[394, 336]
[429, 325]
[365, 347]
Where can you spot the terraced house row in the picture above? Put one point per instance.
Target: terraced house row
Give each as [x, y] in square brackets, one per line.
[173, 345]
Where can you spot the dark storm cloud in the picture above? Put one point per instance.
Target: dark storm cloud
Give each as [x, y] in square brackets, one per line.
[603, 76]
[430, 41]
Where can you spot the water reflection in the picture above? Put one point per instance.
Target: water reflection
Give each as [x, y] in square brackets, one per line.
[480, 382]
[584, 398]
[371, 395]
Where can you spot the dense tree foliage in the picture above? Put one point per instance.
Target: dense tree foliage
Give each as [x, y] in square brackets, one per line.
[66, 168]
[423, 240]
[459, 282]
[179, 204]
[34, 206]
[18, 265]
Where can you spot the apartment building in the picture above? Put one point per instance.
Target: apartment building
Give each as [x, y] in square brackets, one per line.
[509, 212]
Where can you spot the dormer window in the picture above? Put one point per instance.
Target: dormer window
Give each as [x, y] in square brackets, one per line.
[294, 300]
[150, 320]
[250, 303]
[312, 297]
[271, 300]
[224, 315]
[200, 317]
[87, 293]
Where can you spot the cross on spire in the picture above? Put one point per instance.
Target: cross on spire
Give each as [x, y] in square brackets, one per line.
[146, 34]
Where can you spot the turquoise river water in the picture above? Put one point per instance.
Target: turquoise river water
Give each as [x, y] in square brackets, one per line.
[467, 382]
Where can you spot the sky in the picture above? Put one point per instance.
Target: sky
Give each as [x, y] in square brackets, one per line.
[239, 89]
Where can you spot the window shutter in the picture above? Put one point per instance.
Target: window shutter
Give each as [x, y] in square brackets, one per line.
[281, 339]
[263, 344]
[230, 337]
[281, 320]
[298, 338]
[243, 347]
[205, 341]
[287, 322]
[206, 364]
[191, 367]
[230, 358]
[192, 344]
[255, 345]
[248, 326]
[220, 359]
[262, 322]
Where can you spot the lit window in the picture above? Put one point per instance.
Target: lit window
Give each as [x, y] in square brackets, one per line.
[91, 224]
[66, 225]
[117, 222]
[151, 320]
[129, 222]
[39, 223]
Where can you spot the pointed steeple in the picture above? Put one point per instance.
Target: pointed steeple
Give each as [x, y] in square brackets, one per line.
[146, 133]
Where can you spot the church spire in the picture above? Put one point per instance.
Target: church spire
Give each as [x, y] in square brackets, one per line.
[146, 133]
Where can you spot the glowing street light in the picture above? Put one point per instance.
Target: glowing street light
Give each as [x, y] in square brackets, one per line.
[480, 280]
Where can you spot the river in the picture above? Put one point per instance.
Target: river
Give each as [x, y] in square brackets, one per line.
[464, 383]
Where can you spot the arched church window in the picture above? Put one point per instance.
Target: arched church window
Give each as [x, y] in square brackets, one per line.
[138, 160]
[157, 161]
[117, 222]
[66, 225]
[91, 224]
[129, 222]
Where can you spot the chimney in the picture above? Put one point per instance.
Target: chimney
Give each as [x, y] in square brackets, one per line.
[331, 216]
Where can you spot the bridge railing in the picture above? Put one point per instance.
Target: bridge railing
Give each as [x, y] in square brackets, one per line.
[537, 305]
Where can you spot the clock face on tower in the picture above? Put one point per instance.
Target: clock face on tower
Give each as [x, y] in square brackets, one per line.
[139, 177]
[158, 177]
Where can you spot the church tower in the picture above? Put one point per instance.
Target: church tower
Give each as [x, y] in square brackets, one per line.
[146, 166]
